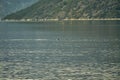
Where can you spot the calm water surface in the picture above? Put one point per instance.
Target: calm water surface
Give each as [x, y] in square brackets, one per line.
[79, 50]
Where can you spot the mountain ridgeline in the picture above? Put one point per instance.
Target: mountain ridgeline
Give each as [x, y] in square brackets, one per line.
[10, 6]
[68, 9]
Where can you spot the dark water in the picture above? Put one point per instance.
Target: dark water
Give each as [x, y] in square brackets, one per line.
[79, 50]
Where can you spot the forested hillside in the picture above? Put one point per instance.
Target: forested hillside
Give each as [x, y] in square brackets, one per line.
[47, 9]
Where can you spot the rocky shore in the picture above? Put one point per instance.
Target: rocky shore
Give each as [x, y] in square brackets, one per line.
[41, 20]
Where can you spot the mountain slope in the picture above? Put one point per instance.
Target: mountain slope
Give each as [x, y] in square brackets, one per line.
[70, 9]
[10, 6]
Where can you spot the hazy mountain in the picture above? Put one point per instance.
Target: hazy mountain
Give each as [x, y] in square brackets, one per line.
[70, 9]
[10, 6]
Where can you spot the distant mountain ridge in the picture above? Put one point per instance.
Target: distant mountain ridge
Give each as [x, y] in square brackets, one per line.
[10, 6]
[52, 9]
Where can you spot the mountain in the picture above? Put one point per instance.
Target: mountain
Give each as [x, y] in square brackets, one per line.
[69, 9]
[10, 6]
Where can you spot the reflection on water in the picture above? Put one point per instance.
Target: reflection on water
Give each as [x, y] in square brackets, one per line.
[78, 50]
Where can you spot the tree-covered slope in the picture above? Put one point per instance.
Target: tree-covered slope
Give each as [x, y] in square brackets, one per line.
[70, 9]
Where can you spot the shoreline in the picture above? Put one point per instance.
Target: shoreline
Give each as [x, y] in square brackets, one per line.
[47, 20]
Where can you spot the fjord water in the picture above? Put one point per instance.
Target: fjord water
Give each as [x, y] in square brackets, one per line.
[71, 50]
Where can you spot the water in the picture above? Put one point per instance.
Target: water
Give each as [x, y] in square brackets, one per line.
[77, 50]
